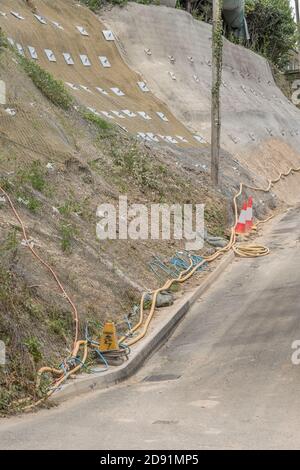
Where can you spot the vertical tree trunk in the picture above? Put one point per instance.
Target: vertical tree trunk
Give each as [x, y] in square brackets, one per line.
[297, 11]
[217, 50]
[189, 6]
[298, 24]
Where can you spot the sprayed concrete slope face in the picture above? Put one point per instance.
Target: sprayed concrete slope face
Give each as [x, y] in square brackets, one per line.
[258, 120]
[68, 41]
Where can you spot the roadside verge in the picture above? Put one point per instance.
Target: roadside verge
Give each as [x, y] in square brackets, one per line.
[160, 331]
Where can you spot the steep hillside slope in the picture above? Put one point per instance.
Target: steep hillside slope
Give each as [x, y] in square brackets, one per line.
[60, 157]
[95, 85]
[258, 122]
[57, 167]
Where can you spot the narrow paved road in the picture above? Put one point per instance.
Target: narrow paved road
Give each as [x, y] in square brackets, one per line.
[225, 378]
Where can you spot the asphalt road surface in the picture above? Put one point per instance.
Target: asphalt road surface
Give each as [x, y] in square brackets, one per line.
[225, 379]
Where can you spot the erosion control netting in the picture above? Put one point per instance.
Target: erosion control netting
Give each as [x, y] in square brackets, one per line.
[69, 41]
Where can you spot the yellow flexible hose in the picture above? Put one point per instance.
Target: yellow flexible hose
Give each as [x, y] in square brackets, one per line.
[250, 251]
[64, 377]
[241, 249]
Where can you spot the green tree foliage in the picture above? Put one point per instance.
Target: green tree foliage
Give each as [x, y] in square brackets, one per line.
[200, 9]
[93, 4]
[273, 31]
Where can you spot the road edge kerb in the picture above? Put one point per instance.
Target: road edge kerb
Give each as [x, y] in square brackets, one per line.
[154, 339]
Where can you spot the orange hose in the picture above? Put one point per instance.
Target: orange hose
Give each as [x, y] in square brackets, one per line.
[47, 266]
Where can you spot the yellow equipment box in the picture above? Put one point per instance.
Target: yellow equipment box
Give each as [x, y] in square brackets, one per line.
[108, 339]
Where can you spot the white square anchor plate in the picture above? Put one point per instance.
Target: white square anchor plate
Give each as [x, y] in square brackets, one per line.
[41, 19]
[11, 111]
[143, 86]
[152, 136]
[68, 58]
[118, 114]
[20, 49]
[32, 52]
[108, 35]
[200, 139]
[144, 115]
[162, 116]
[82, 31]
[104, 61]
[57, 25]
[182, 139]
[106, 114]
[143, 136]
[165, 138]
[117, 91]
[71, 85]
[128, 113]
[17, 15]
[50, 55]
[171, 139]
[85, 88]
[85, 60]
[103, 92]
[93, 110]
[11, 41]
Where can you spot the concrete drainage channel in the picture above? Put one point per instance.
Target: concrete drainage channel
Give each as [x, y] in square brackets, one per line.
[160, 331]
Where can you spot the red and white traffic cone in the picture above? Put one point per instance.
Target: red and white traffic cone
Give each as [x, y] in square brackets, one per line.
[249, 215]
[241, 223]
